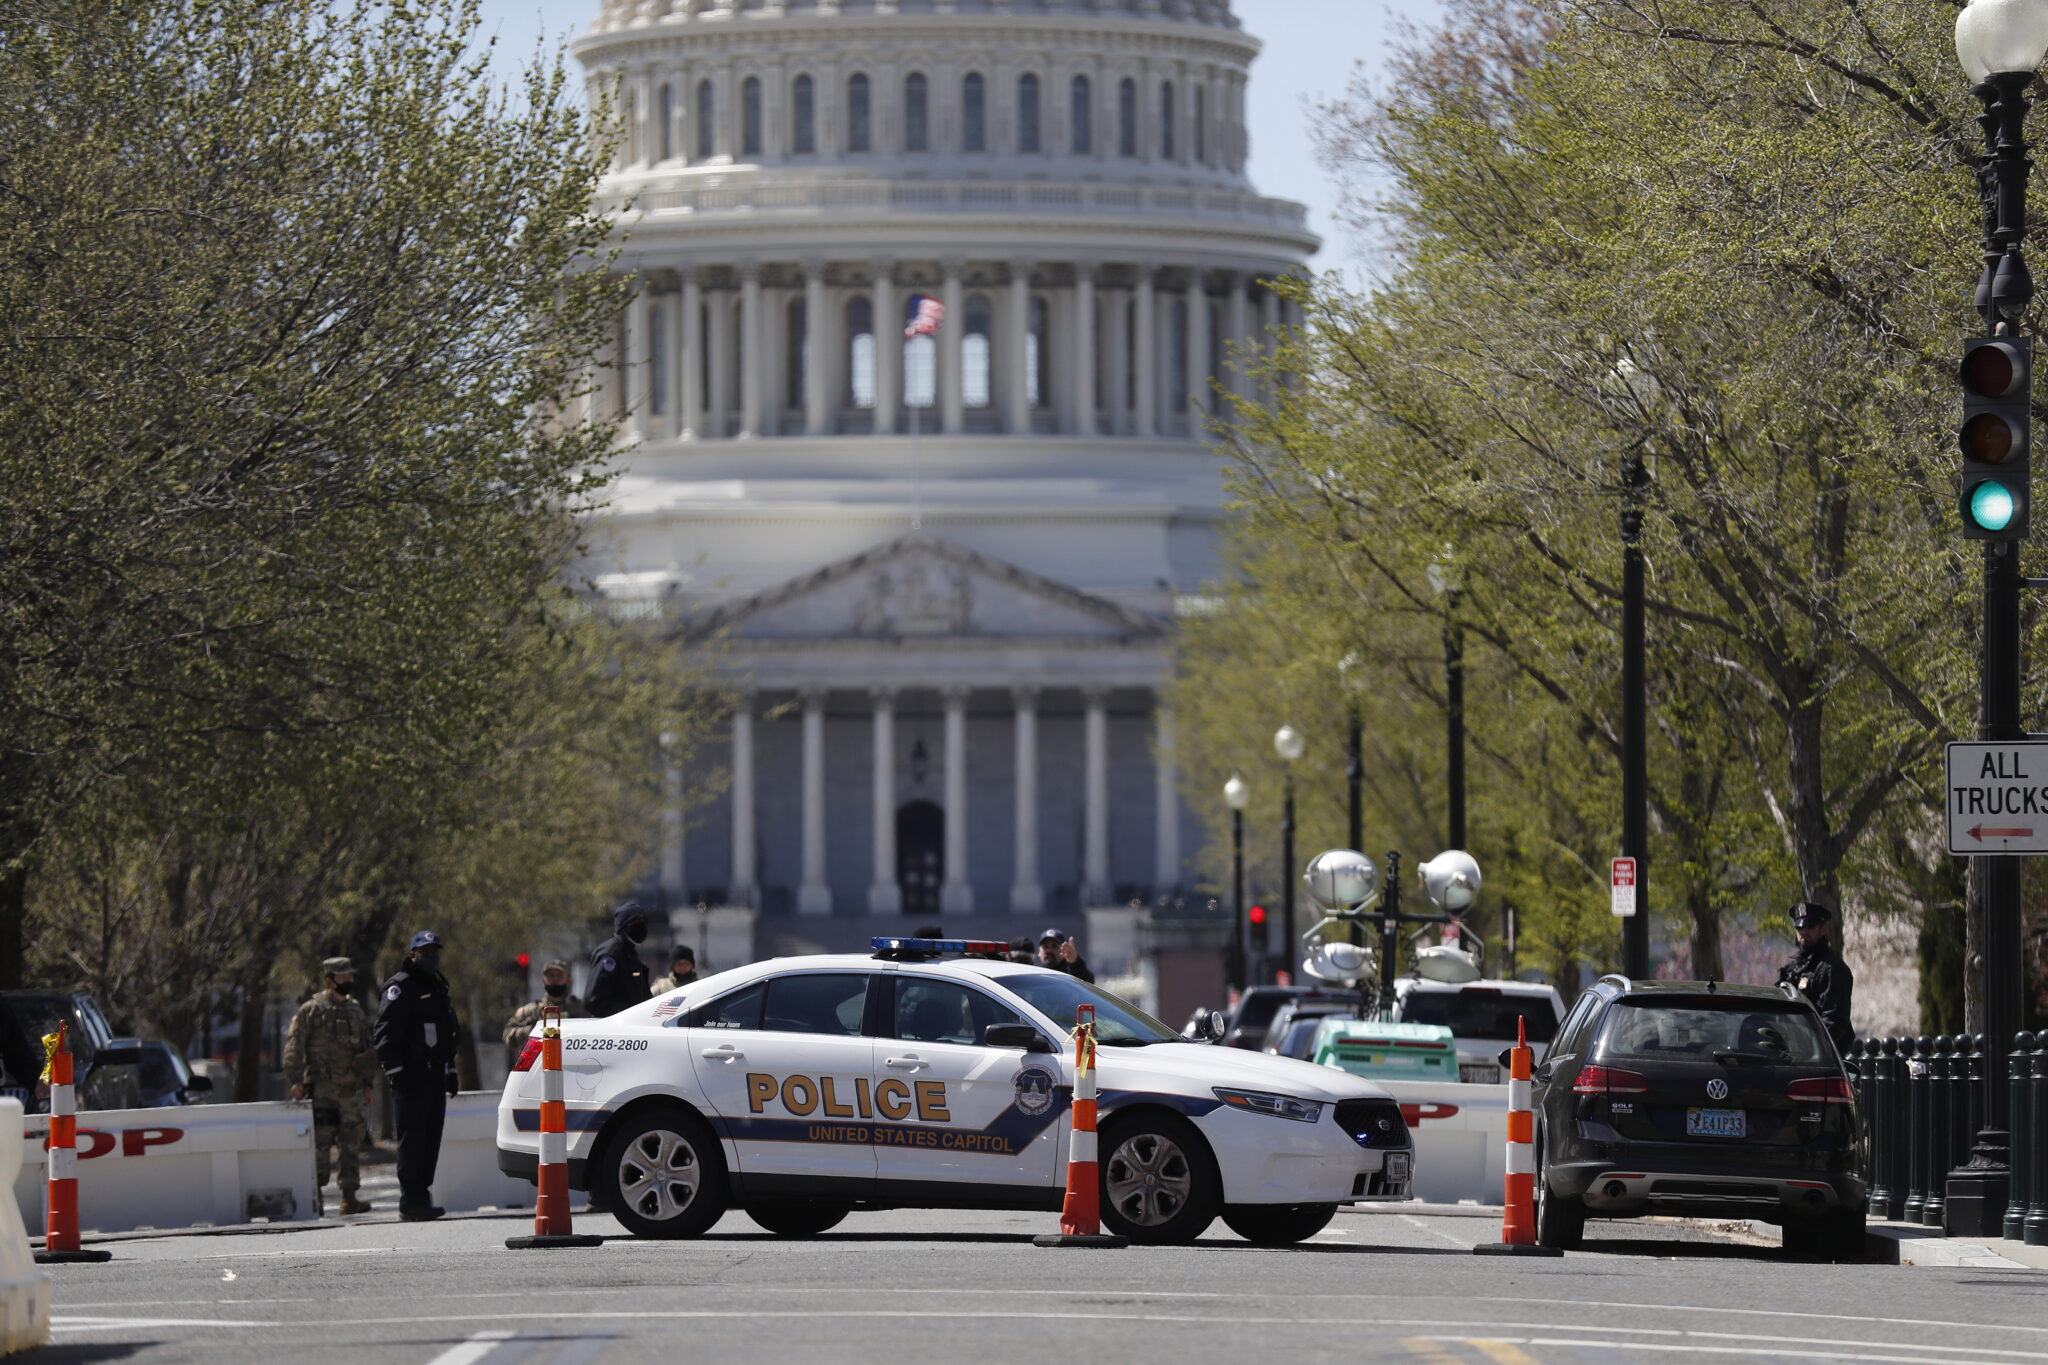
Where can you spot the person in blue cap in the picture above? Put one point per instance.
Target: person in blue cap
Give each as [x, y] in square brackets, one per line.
[1819, 973]
[618, 977]
[415, 1040]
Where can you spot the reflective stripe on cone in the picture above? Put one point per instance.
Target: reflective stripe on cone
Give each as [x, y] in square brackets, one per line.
[552, 1223]
[1081, 1211]
[60, 1205]
[1518, 1211]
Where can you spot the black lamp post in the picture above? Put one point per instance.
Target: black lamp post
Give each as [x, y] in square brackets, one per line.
[1289, 744]
[1635, 775]
[1443, 577]
[2000, 44]
[1236, 795]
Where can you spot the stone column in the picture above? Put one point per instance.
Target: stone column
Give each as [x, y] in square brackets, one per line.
[1269, 325]
[744, 877]
[753, 388]
[952, 411]
[814, 896]
[690, 391]
[1026, 895]
[1117, 338]
[640, 362]
[1145, 317]
[818, 369]
[1199, 395]
[888, 346]
[1095, 887]
[885, 897]
[670, 305]
[956, 895]
[721, 342]
[1239, 348]
[1166, 799]
[1084, 348]
[1016, 350]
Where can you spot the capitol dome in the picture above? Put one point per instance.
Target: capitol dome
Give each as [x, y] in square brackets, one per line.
[943, 568]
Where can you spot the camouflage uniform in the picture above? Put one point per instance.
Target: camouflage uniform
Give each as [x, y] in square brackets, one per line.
[327, 1049]
[519, 1027]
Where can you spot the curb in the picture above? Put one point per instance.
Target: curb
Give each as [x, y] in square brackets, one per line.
[1906, 1245]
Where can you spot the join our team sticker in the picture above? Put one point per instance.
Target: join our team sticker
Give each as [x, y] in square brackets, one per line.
[1035, 1087]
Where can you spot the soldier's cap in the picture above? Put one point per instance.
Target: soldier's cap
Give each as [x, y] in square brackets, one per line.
[337, 966]
[1807, 914]
[425, 938]
[556, 965]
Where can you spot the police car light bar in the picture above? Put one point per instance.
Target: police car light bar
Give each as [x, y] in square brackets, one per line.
[932, 947]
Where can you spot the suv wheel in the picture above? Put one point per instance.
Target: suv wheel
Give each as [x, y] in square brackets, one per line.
[663, 1174]
[1159, 1184]
[1276, 1225]
[1560, 1221]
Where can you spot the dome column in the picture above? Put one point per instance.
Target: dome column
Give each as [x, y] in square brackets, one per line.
[1239, 344]
[1199, 395]
[1095, 887]
[1026, 895]
[1017, 350]
[640, 360]
[690, 389]
[814, 895]
[818, 338]
[885, 896]
[956, 895]
[753, 387]
[952, 409]
[721, 356]
[888, 346]
[1145, 318]
[1084, 349]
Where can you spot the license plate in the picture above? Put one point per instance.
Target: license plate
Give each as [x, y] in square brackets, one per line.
[1397, 1168]
[1474, 1073]
[1716, 1123]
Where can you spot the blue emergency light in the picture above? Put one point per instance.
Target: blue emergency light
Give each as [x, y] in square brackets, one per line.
[934, 947]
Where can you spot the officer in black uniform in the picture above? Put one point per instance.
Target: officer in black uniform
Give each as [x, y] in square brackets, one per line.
[618, 977]
[415, 1040]
[1819, 972]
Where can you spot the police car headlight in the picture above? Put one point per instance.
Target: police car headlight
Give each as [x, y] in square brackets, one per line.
[1279, 1106]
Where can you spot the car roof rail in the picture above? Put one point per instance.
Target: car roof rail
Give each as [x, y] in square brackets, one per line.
[1615, 979]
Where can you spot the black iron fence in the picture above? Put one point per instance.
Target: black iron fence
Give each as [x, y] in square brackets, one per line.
[1922, 1101]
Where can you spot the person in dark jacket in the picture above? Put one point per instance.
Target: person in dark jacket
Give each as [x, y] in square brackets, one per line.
[415, 1041]
[1057, 951]
[618, 977]
[1819, 972]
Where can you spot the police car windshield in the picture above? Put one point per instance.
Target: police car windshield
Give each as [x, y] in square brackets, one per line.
[1059, 998]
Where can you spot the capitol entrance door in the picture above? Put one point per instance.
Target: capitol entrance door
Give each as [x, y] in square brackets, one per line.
[920, 856]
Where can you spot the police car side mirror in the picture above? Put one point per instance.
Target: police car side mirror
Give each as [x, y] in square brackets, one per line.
[199, 1085]
[1015, 1035]
[1507, 1058]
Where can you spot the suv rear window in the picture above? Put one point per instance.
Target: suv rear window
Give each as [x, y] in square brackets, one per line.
[1472, 1014]
[1674, 1030]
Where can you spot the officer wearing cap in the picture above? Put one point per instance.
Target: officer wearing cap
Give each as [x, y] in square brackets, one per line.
[1056, 950]
[554, 985]
[618, 977]
[416, 1035]
[1819, 972]
[327, 1059]
[682, 970]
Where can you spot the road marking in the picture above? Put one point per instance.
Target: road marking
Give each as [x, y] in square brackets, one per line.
[475, 1349]
[1429, 1351]
[1506, 1353]
[1435, 1232]
[70, 1324]
[1774, 1351]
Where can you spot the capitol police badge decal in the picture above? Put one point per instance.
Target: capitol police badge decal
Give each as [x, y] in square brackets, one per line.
[1035, 1086]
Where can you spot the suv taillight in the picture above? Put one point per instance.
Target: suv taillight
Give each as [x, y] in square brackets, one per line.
[528, 1055]
[1609, 1080]
[1821, 1090]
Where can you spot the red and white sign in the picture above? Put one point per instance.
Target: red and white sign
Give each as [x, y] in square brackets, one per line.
[1621, 887]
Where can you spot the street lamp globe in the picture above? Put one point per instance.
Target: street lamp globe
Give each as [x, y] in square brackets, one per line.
[1236, 794]
[1997, 37]
[1288, 743]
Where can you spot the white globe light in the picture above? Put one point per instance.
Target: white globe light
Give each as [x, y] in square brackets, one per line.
[1288, 743]
[1994, 37]
[1236, 794]
[1341, 879]
[1338, 962]
[1450, 880]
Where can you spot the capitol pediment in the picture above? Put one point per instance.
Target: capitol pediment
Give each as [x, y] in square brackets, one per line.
[918, 586]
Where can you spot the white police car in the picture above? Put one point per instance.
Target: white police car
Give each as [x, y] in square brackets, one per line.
[802, 1088]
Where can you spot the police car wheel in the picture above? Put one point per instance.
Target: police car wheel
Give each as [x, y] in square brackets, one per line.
[1159, 1183]
[1277, 1225]
[798, 1220]
[665, 1175]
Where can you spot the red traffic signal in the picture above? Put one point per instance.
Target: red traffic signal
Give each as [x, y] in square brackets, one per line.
[524, 960]
[1257, 914]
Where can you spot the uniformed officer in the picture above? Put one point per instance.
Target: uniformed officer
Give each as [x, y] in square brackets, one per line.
[327, 1059]
[618, 976]
[416, 1034]
[1057, 951]
[682, 969]
[1819, 972]
[554, 984]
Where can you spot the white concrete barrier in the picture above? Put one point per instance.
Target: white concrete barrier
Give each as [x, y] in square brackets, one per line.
[213, 1164]
[24, 1290]
[1461, 1135]
[468, 1176]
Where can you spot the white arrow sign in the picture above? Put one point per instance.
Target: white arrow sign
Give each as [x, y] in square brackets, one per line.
[1998, 797]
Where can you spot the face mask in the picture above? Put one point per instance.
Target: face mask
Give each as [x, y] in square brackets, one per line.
[636, 931]
[342, 987]
[555, 991]
[428, 964]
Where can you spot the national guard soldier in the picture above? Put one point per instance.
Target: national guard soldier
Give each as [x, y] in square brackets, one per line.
[618, 976]
[1819, 972]
[682, 970]
[416, 1034]
[554, 982]
[328, 1059]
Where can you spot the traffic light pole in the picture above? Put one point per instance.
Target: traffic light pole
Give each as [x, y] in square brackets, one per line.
[1288, 931]
[1635, 778]
[1238, 952]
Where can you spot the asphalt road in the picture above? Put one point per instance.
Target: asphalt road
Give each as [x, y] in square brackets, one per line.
[1391, 1284]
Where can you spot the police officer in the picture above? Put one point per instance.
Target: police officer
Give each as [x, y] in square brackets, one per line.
[328, 1060]
[682, 970]
[416, 1034]
[1056, 950]
[554, 984]
[1819, 972]
[618, 976]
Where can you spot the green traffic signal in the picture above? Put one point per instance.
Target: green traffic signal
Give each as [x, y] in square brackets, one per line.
[1995, 436]
[1992, 506]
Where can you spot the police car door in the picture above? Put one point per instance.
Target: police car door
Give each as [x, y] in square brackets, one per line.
[951, 1109]
[785, 1066]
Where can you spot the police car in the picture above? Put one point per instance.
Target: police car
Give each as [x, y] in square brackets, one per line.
[938, 1074]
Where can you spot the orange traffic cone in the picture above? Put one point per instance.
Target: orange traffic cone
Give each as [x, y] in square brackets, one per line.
[1518, 1213]
[1081, 1214]
[60, 1212]
[551, 1219]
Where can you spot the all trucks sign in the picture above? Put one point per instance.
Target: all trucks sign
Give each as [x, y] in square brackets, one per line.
[1998, 797]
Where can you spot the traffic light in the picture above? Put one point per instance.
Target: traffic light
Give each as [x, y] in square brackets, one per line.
[1997, 375]
[1257, 914]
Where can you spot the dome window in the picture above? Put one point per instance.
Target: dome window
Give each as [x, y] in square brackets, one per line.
[1078, 117]
[860, 352]
[750, 116]
[707, 121]
[859, 119]
[1027, 113]
[974, 113]
[1166, 121]
[1127, 117]
[803, 107]
[916, 113]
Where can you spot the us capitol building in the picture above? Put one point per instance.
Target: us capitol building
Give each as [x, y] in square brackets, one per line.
[943, 573]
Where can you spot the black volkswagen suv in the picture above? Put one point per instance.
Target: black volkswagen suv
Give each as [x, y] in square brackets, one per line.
[1689, 1097]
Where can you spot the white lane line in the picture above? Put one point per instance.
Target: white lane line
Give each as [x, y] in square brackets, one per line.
[1777, 1352]
[1435, 1232]
[475, 1349]
[71, 1324]
[310, 1251]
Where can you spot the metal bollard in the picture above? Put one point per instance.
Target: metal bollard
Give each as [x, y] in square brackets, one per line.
[2036, 1129]
[2019, 1089]
[1940, 1097]
[1916, 1054]
[1893, 1153]
[1863, 1067]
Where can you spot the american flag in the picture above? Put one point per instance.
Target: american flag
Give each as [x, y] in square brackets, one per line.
[668, 1007]
[926, 313]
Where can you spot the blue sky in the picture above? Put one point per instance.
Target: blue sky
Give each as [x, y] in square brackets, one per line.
[1310, 49]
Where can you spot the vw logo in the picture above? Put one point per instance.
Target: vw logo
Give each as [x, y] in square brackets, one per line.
[1717, 1089]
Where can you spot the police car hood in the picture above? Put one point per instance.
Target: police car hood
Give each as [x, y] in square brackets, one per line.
[1195, 1068]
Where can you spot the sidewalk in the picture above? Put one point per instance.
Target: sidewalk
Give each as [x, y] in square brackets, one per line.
[1914, 1244]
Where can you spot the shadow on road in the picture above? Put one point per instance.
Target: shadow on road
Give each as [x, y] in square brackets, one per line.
[1674, 1249]
[90, 1352]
